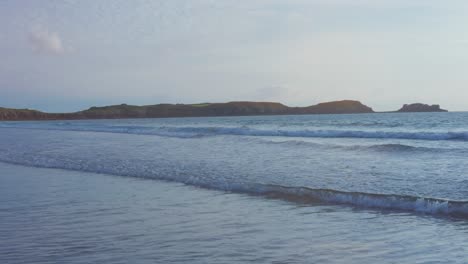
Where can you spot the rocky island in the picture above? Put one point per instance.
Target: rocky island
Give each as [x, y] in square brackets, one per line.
[418, 107]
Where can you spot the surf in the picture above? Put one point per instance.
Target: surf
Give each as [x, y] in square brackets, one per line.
[205, 131]
[296, 194]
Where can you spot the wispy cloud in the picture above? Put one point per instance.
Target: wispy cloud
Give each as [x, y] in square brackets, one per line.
[45, 41]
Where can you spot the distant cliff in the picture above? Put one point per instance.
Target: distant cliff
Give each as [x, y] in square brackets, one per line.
[24, 114]
[189, 110]
[336, 107]
[418, 107]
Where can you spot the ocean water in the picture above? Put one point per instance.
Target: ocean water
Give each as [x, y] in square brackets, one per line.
[367, 188]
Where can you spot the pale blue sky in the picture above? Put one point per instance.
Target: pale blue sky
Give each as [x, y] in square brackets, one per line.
[70, 55]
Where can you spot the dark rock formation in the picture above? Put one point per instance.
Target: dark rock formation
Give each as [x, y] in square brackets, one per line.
[189, 110]
[23, 114]
[336, 107]
[184, 110]
[421, 108]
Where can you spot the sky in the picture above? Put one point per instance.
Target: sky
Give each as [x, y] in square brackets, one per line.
[69, 55]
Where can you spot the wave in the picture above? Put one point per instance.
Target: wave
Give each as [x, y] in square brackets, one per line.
[403, 148]
[194, 131]
[301, 194]
[189, 132]
[256, 136]
[246, 131]
[417, 204]
[377, 147]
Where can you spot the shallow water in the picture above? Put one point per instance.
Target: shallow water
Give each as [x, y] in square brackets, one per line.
[58, 216]
[406, 172]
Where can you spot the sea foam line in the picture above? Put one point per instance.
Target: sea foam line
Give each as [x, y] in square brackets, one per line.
[301, 194]
[193, 132]
[246, 131]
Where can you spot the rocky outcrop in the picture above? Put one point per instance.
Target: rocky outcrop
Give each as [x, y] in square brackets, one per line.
[418, 107]
[24, 114]
[189, 110]
[184, 110]
[336, 107]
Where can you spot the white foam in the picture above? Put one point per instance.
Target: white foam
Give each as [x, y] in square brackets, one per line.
[195, 131]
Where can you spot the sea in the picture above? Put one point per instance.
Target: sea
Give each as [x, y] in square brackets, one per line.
[351, 188]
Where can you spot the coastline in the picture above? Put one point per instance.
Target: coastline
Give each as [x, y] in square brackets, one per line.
[241, 108]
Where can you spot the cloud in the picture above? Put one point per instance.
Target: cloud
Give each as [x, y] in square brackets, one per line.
[45, 41]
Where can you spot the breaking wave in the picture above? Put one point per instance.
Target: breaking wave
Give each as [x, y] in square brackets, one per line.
[195, 131]
[246, 131]
[307, 195]
[368, 200]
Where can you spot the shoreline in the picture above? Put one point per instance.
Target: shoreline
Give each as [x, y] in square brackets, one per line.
[254, 115]
[240, 108]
